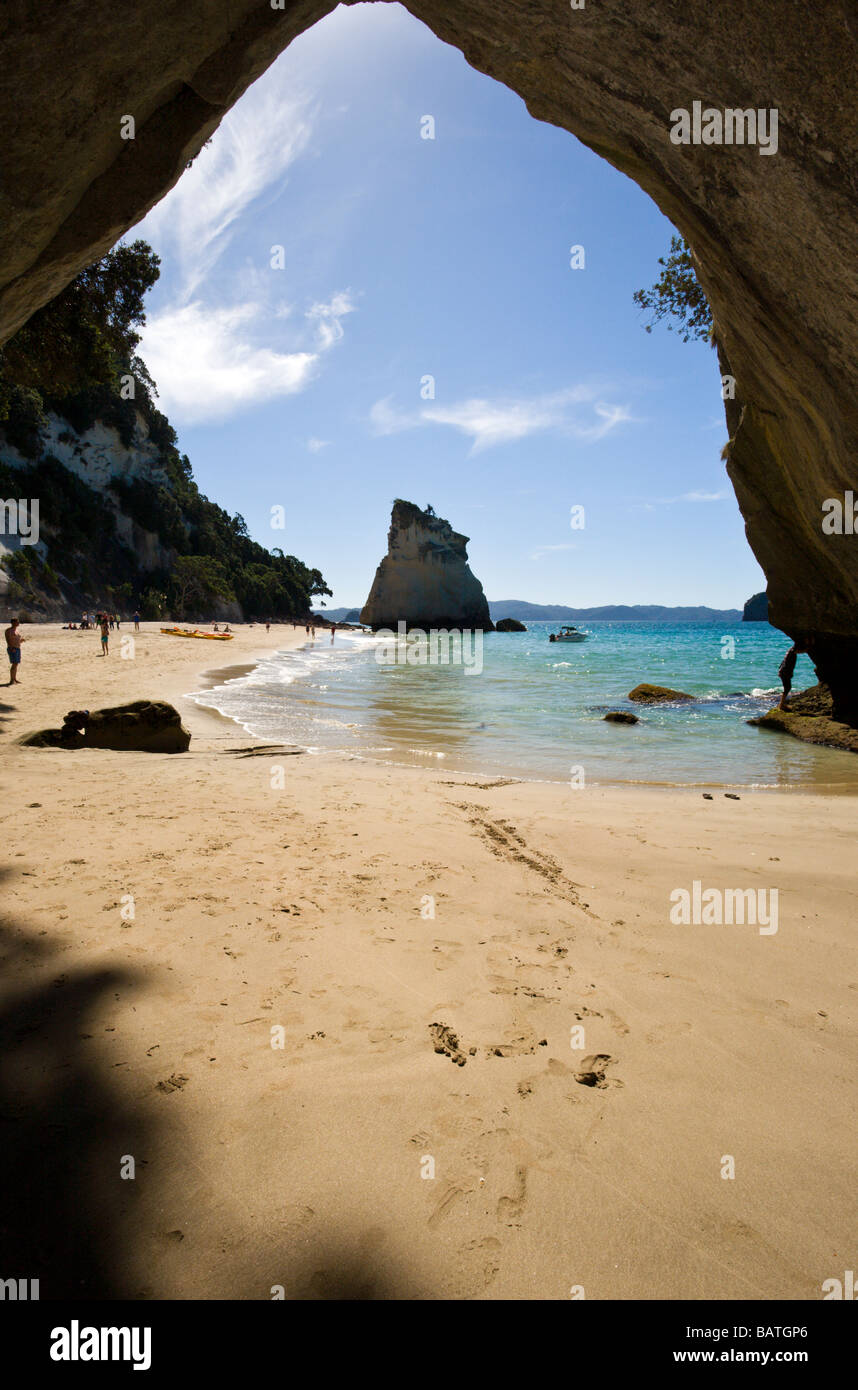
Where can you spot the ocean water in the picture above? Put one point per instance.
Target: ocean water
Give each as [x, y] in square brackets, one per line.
[534, 710]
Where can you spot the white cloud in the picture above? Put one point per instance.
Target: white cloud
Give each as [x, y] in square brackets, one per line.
[207, 366]
[490, 422]
[315, 446]
[250, 151]
[326, 318]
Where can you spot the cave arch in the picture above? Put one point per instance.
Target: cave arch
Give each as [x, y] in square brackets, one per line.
[774, 237]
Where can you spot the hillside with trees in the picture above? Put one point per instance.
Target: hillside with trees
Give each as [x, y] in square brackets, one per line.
[137, 533]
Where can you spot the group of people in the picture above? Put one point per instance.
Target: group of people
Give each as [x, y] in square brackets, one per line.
[311, 631]
[89, 620]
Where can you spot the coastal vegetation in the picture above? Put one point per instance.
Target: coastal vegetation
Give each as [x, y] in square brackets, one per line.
[75, 363]
[677, 296]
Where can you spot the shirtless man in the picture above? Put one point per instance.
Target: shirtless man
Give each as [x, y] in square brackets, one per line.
[13, 647]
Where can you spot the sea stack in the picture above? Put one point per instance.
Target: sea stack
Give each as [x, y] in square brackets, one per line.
[424, 579]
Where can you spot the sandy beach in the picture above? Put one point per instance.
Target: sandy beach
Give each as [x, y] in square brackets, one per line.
[225, 965]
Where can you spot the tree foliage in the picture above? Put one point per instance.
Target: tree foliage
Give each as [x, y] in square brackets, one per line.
[69, 360]
[87, 335]
[677, 294]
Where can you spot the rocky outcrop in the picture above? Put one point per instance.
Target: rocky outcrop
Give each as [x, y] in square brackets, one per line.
[810, 717]
[424, 579]
[509, 625]
[756, 610]
[657, 695]
[773, 235]
[621, 716]
[144, 726]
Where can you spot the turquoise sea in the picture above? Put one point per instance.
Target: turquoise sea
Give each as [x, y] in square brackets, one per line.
[534, 710]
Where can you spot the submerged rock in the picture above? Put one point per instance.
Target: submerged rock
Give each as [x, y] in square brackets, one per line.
[621, 716]
[656, 694]
[509, 625]
[424, 579]
[144, 726]
[810, 718]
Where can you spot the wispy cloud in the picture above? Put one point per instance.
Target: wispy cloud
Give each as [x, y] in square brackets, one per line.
[576, 411]
[327, 319]
[315, 446]
[722, 496]
[250, 153]
[550, 549]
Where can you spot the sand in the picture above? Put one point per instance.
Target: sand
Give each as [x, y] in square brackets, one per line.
[226, 966]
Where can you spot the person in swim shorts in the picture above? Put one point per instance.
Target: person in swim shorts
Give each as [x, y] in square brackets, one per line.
[13, 649]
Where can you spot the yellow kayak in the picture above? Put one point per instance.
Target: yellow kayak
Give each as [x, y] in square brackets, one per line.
[209, 636]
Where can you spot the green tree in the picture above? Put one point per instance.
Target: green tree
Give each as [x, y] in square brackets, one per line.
[88, 334]
[677, 294]
[198, 579]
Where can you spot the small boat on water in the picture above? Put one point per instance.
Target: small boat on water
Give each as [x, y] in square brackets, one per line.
[210, 636]
[568, 634]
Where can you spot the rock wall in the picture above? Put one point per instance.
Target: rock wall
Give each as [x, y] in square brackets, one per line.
[98, 456]
[773, 236]
[424, 579]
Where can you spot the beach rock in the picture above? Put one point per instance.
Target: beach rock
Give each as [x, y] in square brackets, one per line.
[656, 694]
[621, 716]
[810, 717]
[145, 726]
[424, 579]
[509, 625]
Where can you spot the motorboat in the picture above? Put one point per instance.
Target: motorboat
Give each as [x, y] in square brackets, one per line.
[569, 634]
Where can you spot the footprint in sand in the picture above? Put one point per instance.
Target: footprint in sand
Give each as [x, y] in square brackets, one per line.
[592, 1070]
[173, 1083]
[487, 1252]
[448, 953]
[509, 1209]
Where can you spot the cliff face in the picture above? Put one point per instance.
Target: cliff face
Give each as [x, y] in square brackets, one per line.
[773, 236]
[71, 564]
[756, 609]
[424, 579]
[116, 508]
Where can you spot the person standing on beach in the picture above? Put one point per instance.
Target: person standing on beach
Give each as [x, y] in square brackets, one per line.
[105, 635]
[136, 621]
[13, 649]
[785, 671]
[333, 630]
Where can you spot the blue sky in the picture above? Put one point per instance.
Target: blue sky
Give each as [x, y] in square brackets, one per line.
[295, 378]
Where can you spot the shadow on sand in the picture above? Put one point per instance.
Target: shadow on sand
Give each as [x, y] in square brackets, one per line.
[64, 1127]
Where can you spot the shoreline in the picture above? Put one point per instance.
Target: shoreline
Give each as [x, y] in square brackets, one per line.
[836, 789]
[232, 962]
